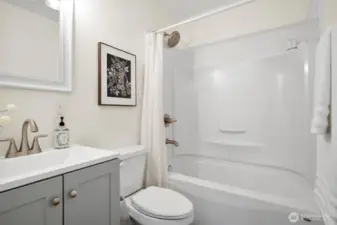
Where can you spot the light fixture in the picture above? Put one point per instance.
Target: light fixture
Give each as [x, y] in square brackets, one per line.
[53, 4]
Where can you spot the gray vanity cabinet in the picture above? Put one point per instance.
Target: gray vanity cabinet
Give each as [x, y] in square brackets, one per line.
[39, 204]
[91, 195]
[88, 196]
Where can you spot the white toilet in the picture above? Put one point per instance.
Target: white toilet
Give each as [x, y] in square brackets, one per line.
[153, 205]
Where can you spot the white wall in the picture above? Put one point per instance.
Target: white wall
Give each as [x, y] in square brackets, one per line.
[329, 16]
[251, 18]
[327, 144]
[29, 43]
[121, 23]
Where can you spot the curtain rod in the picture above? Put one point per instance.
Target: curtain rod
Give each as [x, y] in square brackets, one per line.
[207, 14]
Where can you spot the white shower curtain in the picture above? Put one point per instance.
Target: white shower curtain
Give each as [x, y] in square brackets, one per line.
[153, 130]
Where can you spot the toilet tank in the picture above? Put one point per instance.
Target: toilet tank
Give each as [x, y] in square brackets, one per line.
[132, 169]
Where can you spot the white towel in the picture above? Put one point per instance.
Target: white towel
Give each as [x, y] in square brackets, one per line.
[322, 92]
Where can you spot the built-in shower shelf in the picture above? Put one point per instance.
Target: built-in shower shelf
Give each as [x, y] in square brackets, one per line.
[232, 131]
[235, 143]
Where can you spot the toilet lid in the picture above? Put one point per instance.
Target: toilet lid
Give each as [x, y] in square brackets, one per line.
[162, 203]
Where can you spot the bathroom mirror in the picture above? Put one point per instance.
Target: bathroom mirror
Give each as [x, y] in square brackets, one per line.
[36, 44]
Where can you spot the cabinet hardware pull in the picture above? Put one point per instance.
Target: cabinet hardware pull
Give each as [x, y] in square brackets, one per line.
[56, 201]
[73, 194]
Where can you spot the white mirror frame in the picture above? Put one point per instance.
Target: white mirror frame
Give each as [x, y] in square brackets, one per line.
[64, 84]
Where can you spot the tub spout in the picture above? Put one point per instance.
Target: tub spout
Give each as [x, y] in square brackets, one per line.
[172, 142]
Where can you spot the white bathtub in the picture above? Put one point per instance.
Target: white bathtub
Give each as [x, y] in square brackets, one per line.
[227, 193]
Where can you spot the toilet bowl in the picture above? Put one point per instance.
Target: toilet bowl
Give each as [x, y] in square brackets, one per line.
[153, 205]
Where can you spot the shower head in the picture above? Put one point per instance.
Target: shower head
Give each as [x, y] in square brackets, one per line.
[173, 39]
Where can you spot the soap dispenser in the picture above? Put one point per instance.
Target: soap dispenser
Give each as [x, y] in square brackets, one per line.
[61, 139]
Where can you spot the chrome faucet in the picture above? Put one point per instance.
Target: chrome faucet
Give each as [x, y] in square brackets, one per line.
[172, 142]
[25, 148]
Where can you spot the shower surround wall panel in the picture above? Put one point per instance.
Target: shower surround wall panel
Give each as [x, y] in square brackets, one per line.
[243, 107]
[180, 63]
[269, 98]
[247, 101]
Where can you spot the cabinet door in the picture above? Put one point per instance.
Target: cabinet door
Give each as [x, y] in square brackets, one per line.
[39, 204]
[91, 195]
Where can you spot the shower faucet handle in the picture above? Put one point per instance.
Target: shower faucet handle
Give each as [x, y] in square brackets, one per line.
[168, 120]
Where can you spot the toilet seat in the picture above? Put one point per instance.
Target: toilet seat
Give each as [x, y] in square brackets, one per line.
[159, 206]
[162, 203]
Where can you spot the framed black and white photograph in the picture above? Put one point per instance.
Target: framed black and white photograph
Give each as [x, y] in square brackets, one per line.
[116, 76]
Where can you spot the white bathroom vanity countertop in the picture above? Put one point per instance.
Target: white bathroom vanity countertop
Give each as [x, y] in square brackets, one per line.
[16, 172]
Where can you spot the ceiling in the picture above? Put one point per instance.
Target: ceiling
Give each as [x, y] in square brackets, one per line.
[183, 9]
[36, 6]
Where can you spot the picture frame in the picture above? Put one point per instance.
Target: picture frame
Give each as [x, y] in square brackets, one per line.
[116, 76]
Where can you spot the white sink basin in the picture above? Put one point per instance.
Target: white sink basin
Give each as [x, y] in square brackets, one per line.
[19, 171]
